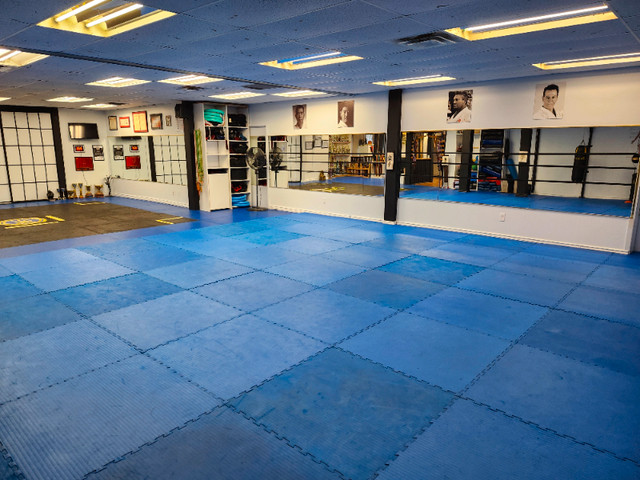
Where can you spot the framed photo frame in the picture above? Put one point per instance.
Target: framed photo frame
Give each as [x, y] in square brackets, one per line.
[140, 122]
[308, 145]
[317, 141]
[167, 120]
[78, 148]
[325, 143]
[125, 122]
[113, 123]
[98, 153]
[118, 152]
[155, 119]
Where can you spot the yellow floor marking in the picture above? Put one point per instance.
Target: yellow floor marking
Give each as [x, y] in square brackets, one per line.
[89, 203]
[165, 220]
[55, 218]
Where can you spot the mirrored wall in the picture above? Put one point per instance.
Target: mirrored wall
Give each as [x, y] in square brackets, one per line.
[348, 164]
[587, 170]
[154, 158]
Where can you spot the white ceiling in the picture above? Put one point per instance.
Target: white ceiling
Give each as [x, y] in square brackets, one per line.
[229, 38]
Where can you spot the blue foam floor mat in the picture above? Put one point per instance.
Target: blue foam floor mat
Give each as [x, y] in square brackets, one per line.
[443, 355]
[236, 355]
[308, 313]
[590, 404]
[338, 408]
[132, 355]
[471, 441]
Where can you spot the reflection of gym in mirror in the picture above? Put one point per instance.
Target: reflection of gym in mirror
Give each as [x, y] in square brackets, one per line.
[589, 170]
[154, 158]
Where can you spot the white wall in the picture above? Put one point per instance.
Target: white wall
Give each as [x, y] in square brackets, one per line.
[370, 115]
[600, 99]
[101, 168]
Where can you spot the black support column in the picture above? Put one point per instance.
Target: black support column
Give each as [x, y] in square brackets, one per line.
[394, 145]
[186, 112]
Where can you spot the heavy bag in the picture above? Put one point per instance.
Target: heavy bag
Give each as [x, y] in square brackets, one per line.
[580, 161]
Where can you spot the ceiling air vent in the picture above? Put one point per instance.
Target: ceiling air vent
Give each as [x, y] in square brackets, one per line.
[259, 86]
[432, 39]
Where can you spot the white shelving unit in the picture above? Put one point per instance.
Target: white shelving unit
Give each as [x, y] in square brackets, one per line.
[226, 181]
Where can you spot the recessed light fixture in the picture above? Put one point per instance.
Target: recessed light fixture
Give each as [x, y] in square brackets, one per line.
[317, 60]
[191, 80]
[100, 105]
[414, 80]
[237, 95]
[69, 99]
[18, 58]
[104, 18]
[299, 93]
[590, 61]
[535, 24]
[2, 99]
[118, 82]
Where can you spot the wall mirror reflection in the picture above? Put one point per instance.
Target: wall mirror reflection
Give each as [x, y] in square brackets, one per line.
[350, 164]
[154, 158]
[587, 170]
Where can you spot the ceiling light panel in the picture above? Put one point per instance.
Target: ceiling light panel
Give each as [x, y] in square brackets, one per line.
[117, 82]
[535, 24]
[69, 99]
[300, 93]
[2, 99]
[590, 61]
[414, 80]
[191, 80]
[316, 60]
[237, 95]
[17, 58]
[101, 105]
[105, 18]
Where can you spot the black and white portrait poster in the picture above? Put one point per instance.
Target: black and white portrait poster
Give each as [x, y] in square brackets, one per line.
[345, 113]
[459, 107]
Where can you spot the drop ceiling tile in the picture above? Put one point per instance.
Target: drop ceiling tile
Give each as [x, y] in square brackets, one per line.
[179, 7]
[33, 11]
[625, 8]
[176, 31]
[9, 27]
[234, 12]
[354, 14]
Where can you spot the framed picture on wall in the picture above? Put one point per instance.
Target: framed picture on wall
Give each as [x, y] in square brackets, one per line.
[167, 120]
[113, 123]
[140, 122]
[308, 145]
[325, 143]
[156, 121]
[98, 153]
[125, 122]
[118, 152]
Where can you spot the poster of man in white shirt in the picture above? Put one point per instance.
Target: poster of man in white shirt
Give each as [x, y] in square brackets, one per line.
[548, 102]
[460, 106]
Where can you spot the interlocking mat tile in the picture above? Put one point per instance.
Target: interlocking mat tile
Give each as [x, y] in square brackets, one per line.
[431, 269]
[222, 445]
[152, 323]
[591, 404]
[441, 354]
[471, 441]
[347, 412]
[198, 272]
[325, 315]
[97, 417]
[234, 356]
[610, 304]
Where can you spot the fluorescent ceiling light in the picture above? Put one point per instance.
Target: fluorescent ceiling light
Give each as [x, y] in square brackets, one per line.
[414, 80]
[234, 96]
[70, 99]
[18, 58]
[590, 61]
[118, 82]
[317, 60]
[105, 18]
[78, 9]
[2, 99]
[100, 105]
[299, 93]
[535, 24]
[116, 14]
[191, 80]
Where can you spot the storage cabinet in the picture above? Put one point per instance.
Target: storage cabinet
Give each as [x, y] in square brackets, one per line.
[225, 130]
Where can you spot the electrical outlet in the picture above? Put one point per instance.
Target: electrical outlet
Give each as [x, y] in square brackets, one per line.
[503, 216]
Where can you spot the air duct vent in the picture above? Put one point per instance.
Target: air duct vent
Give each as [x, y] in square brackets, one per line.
[432, 39]
[259, 86]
